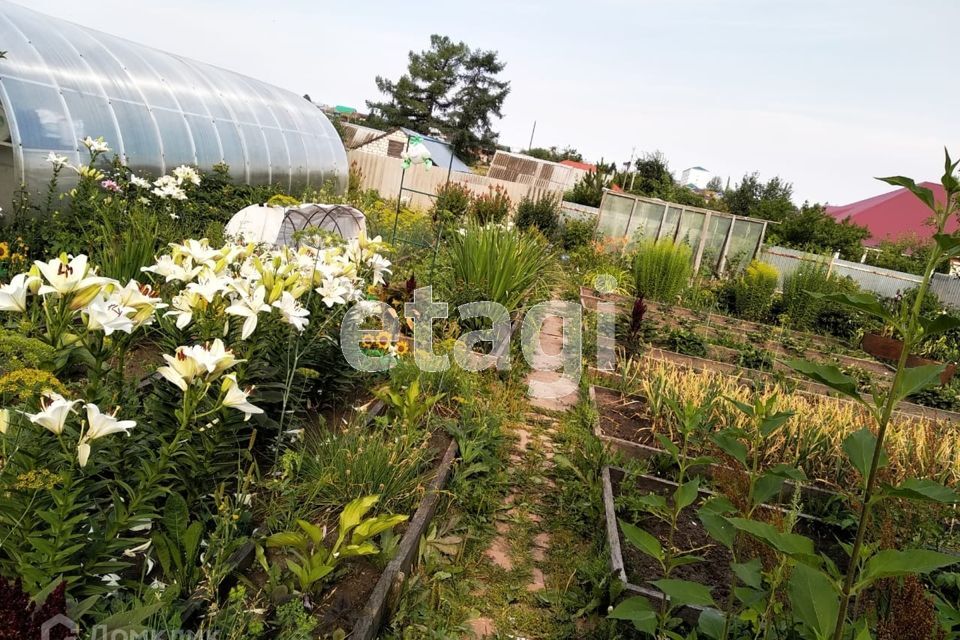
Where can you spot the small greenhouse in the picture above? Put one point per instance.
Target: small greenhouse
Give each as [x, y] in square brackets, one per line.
[61, 82]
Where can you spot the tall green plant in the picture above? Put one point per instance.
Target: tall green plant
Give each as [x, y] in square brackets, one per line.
[801, 303]
[829, 594]
[753, 291]
[661, 269]
[497, 264]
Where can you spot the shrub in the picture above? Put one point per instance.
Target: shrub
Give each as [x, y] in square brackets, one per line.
[490, 207]
[451, 204]
[501, 265]
[753, 291]
[282, 200]
[577, 233]
[661, 269]
[25, 385]
[800, 310]
[542, 213]
[20, 352]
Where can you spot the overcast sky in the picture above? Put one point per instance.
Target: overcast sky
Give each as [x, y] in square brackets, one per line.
[824, 94]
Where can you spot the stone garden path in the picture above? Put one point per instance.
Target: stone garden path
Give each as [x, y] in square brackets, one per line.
[518, 552]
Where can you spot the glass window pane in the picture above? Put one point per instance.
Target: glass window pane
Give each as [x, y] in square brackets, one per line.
[670, 220]
[257, 156]
[646, 220]
[279, 159]
[92, 116]
[691, 226]
[743, 244]
[614, 215]
[298, 159]
[713, 247]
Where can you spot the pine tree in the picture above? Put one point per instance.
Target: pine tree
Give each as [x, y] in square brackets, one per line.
[448, 89]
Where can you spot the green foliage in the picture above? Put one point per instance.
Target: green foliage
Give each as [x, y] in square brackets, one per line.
[803, 310]
[811, 229]
[554, 154]
[451, 204]
[450, 88]
[541, 213]
[496, 264]
[313, 561]
[753, 291]
[685, 341]
[588, 190]
[177, 544]
[577, 233]
[661, 269]
[767, 201]
[492, 207]
[282, 200]
[907, 254]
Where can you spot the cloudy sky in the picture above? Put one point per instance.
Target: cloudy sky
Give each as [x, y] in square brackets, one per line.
[824, 94]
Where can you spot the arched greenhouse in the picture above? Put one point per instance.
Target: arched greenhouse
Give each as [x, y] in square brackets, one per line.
[61, 82]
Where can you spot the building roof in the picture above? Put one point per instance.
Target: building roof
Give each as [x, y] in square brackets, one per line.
[584, 166]
[440, 152]
[893, 215]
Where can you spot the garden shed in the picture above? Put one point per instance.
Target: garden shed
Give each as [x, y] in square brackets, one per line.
[60, 82]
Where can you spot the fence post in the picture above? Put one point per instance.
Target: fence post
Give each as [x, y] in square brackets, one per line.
[726, 247]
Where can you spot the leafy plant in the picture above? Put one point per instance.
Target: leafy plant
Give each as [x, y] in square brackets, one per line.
[542, 212]
[312, 561]
[451, 204]
[685, 341]
[492, 207]
[177, 544]
[496, 264]
[753, 291]
[661, 269]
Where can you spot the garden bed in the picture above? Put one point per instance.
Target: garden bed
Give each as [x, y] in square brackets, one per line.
[635, 569]
[803, 385]
[624, 425]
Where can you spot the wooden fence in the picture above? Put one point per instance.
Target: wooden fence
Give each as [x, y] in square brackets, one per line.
[382, 173]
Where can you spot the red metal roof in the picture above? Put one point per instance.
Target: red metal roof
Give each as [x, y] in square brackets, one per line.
[586, 166]
[893, 215]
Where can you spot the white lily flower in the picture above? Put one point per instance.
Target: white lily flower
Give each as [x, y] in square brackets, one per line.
[183, 173]
[140, 548]
[58, 161]
[97, 145]
[108, 316]
[139, 182]
[171, 270]
[249, 307]
[333, 292]
[183, 307]
[67, 274]
[99, 425]
[13, 296]
[54, 411]
[380, 265]
[237, 398]
[209, 286]
[292, 311]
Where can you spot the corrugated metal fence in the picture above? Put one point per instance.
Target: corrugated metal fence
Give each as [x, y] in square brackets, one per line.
[883, 282]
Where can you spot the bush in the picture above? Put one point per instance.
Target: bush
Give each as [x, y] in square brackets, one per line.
[661, 269]
[490, 207]
[800, 310]
[753, 291]
[577, 233]
[452, 203]
[542, 213]
[20, 352]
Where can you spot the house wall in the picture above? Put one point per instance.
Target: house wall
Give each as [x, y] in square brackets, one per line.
[383, 174]
[380, 146]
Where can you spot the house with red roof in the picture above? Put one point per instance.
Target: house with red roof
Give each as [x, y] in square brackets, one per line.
[894, 215]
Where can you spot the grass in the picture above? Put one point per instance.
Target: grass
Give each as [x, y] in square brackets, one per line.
[662, 269]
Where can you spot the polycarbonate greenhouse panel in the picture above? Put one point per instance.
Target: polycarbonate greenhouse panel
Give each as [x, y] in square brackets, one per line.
[60, 82]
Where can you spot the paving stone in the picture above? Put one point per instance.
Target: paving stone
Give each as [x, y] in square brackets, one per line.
[536, 580]
[481, 628]
[499, 553]
[523, 439]
[538, 554]
[541, 540]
